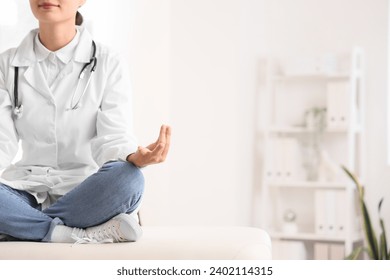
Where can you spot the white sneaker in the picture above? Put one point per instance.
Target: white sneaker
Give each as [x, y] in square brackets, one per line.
[121, 228]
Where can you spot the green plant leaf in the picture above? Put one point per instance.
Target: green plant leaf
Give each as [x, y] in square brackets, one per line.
[372, 249]
[370, 233]
[380, 205]
[366, 250]
[382, 247]
[383, 241]
[355, 253]
[356, 181]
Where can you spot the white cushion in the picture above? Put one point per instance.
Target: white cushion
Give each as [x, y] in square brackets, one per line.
[157, 243]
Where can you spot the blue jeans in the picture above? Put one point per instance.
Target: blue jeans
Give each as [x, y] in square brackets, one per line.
[117, 187]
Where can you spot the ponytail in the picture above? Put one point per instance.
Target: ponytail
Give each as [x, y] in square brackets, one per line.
[79, 18]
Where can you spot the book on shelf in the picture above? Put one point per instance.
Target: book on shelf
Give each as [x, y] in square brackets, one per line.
[284, 164]
[326, 212]
[341, 218]
[338, 105]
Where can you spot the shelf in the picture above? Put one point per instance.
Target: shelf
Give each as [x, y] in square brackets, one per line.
[315, 77]
[310, 185]
[288, 144]
[314, 237]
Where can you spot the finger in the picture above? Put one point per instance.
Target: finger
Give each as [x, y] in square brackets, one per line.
[160, 144]
[158, 150]
[160, 154]
[162, 136]
[167, 142]
[152, 146]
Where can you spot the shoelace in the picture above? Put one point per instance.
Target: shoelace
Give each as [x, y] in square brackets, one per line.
[103, 234]
[80, 237]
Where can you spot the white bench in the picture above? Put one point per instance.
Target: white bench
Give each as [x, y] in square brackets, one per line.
[157, 243]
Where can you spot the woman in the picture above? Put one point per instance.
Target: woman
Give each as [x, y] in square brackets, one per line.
[67, 100]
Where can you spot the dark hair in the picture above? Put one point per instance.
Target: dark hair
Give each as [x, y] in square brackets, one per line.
[79, 19]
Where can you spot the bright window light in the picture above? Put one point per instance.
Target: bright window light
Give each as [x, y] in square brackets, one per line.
[8, 12]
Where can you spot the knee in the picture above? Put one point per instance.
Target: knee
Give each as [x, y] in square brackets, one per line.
[135, 177]
[128, 178]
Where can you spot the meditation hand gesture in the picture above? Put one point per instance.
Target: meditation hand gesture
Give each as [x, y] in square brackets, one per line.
[153, 153]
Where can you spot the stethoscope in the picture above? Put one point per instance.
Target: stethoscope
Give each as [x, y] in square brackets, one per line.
[18, 108]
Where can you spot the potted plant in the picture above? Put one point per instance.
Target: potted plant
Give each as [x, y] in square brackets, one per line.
[315, 122]
[375, 250]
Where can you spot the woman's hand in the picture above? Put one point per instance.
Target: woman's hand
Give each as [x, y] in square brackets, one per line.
[153, 153]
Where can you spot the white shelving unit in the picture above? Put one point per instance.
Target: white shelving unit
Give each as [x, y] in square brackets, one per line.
[297, 206]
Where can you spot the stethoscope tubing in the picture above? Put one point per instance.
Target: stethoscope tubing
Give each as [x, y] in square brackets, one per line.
[77, 104]
[18, 108]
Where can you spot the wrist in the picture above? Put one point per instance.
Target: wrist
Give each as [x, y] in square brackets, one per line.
[130, 158]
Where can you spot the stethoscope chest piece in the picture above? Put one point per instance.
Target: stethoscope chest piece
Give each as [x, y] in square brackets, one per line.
[18, 111]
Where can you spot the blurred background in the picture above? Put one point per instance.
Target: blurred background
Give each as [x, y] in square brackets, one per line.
[203, 67]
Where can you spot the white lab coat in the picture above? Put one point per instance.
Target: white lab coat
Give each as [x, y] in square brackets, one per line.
[62, 147]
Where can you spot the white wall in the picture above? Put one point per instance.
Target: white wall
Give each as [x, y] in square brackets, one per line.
[151, 64]
[214, 50]
[12, 33]
[211, 51]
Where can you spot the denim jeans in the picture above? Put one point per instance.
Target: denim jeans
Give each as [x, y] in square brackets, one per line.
[117, 187]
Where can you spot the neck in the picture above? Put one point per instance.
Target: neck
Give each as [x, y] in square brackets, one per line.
[56, 36]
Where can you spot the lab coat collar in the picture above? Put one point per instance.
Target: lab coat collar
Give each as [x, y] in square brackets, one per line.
[41, 51]
[25, 54]
[64, 54]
